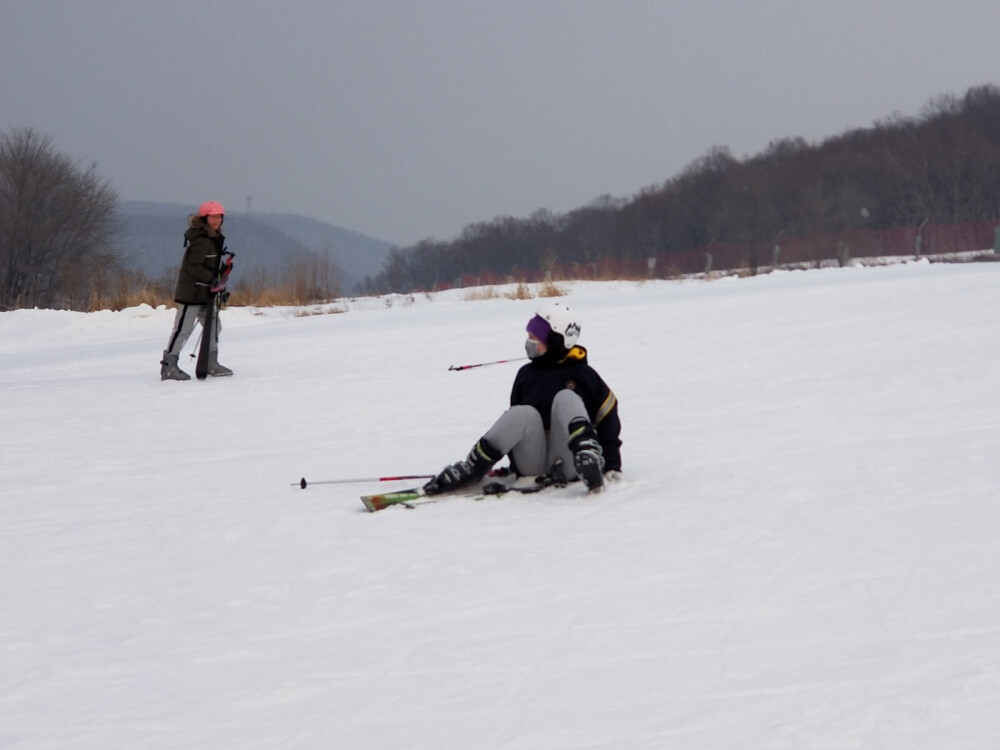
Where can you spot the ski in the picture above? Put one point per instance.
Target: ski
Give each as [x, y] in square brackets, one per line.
[414, 496]
[211, 314]
[407, 498]
[205, 349]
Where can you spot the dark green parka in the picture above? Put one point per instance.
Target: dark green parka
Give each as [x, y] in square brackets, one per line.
[201, 258]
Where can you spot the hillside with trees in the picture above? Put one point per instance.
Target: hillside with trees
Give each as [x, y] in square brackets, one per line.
[906, 185]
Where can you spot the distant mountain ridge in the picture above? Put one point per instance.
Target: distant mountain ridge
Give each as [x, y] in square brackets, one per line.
[152, 240]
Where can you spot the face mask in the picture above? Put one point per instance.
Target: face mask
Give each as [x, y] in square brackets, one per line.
[531, 347]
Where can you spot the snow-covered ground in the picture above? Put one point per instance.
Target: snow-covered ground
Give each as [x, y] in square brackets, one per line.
[805, 551]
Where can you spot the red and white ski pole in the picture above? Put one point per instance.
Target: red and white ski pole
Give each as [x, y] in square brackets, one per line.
[302, 483]
[486, 364]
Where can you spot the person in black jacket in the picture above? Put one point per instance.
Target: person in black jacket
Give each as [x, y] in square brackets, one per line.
[204, 243]
[560, 411]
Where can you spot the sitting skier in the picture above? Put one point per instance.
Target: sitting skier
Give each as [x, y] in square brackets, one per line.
[561, 412]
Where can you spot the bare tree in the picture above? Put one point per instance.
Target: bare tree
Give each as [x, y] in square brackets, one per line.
[57, 223]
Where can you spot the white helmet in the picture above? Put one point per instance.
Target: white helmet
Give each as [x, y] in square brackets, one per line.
[561, 320]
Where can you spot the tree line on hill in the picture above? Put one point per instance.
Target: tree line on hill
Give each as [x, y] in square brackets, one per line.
[929, 183]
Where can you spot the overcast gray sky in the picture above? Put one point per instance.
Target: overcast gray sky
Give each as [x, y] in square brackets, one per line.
[409, 119]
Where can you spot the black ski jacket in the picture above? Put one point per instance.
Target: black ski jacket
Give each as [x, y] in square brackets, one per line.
[201, 256]
[537, 383]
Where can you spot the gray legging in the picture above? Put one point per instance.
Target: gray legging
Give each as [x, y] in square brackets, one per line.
[519, 432]
[184, 322]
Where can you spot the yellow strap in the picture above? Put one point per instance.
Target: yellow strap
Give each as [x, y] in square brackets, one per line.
[606, 407]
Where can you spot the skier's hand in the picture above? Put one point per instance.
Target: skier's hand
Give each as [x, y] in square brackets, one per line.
[224, 272]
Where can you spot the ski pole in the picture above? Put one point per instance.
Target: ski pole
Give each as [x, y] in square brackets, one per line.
[197, 346]
[484, 364]
[303, 483]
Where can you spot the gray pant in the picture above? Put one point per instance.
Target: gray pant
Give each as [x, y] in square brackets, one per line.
[184, 320]
[519, 433]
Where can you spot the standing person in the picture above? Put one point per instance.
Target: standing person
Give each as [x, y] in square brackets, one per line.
[204, 244]
[560, 409]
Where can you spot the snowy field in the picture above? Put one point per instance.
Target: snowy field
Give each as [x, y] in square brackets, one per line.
[804, 552]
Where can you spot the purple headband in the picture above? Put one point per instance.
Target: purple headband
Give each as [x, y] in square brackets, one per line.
[539, 328]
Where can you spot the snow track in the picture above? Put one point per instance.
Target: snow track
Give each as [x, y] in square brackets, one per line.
[803, 553]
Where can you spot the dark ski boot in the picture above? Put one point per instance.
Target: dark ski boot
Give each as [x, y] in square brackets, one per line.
[588, 458]
[215, 369]
[169, 369]
[479, 461]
